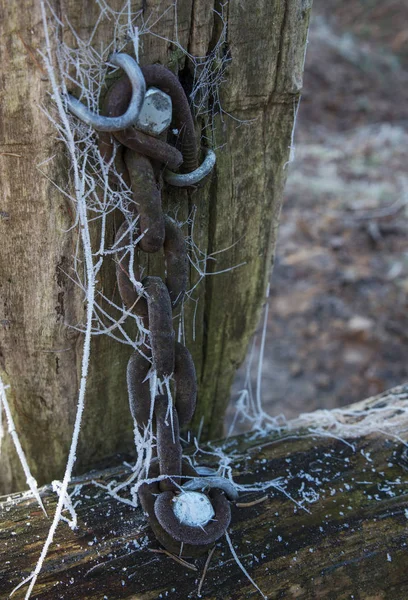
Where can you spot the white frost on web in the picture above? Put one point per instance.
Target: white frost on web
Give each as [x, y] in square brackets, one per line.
[388, 417]
[31, 482]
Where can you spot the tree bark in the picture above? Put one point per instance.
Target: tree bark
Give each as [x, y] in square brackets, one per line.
[345, 538]
[40, 352]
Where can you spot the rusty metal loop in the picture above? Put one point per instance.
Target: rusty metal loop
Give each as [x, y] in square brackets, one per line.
[176, 261]
[169, 450]
[150, 146]
[198, 536]
[131, 298]
[185, 388]
[137, 93]
[158, 76]
[160, 325]
[185, 384]
[147, 198]
[175, 256]
[139, 389]
[147, 495]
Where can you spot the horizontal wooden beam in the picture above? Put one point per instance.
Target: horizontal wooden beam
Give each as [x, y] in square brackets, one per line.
[337, 529]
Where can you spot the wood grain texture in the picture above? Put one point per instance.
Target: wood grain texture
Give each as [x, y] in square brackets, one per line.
[40, 355]
[346, 540]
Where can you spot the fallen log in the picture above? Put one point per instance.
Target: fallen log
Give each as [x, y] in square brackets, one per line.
[331, 525]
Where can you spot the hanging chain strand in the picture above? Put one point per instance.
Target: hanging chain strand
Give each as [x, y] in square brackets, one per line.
[171, 502]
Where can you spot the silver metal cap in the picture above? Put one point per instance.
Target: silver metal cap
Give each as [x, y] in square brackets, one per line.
[155, 114]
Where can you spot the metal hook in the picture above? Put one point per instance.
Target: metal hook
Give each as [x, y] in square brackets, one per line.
[187, 179]
[210, 481]
[100, 123]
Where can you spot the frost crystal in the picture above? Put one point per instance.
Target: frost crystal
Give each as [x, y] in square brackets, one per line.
[193, 508]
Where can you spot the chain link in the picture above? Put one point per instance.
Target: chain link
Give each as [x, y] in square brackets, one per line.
[153, 300]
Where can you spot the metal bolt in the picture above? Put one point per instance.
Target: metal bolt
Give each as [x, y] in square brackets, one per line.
[156, 111]
[193, 509]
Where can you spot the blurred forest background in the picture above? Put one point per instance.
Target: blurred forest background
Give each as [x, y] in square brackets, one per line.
[338, 321]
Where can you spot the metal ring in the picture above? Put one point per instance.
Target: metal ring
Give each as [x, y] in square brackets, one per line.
[196, 536]
[175, 256]
[147, 199]
[169, 449]
[130, 297]
[187, 179]
[100, 123]
[160, 325]
[139, 389]
[186, 385]
[147, 495]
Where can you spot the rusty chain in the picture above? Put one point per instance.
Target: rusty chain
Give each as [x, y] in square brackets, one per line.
[139, 161]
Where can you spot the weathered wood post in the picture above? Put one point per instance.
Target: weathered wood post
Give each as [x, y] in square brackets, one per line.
[40, 352]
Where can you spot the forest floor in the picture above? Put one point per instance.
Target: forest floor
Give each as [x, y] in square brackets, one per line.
[338, 320]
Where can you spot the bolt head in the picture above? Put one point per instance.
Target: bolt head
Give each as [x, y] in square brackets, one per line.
[155, 114]
[193, 509]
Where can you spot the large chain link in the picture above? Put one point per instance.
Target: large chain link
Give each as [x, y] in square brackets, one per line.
[139, 161]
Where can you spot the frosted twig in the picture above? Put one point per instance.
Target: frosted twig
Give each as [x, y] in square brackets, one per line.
[56, 487]
[207, 564]
[179, 560]
[32, 484]
[241, 566]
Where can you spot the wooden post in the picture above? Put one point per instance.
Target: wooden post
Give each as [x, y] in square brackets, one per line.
[40, 352]
[336, 528]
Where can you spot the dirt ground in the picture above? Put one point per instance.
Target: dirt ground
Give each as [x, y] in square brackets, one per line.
[338, 323]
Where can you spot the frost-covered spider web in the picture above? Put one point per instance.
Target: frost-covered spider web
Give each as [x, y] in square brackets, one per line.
[388, 417]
